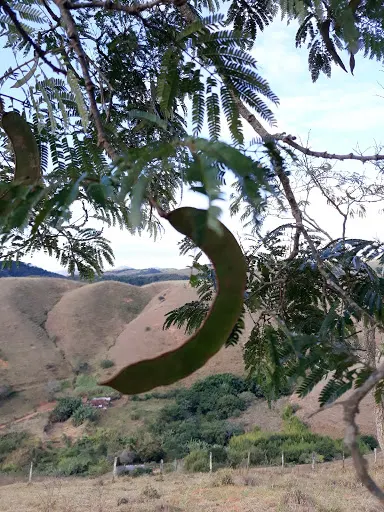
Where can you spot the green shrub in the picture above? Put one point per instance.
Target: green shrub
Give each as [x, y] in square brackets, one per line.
[369, 441]
[64, 409]
[141, 471]
[10, 442]
[106, 363]
[86, 386]
[197, 461]
[84, 413]
[228, 404]
[288, 412]
[219, 454]
[74, 465]
[298, 446]
[147, 447]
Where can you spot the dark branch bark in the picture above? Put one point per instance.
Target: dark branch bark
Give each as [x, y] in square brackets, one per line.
[75, 42]
[331, 156]
[351, 408]
[117, 6]
[39, 51]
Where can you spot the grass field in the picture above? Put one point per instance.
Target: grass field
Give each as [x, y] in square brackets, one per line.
[328, 488]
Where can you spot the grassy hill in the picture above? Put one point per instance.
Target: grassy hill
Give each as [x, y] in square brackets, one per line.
[54, 328]
[57, 331]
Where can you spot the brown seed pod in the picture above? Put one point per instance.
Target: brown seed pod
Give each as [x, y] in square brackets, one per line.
[230, 266]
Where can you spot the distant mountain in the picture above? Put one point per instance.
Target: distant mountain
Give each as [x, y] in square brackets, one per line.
[137, 277]
[20, 269]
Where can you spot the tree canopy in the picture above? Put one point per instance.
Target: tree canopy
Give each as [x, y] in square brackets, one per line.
[116, 96]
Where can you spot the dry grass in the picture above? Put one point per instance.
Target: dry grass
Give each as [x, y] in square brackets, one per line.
[87, 320]
[327, 489]
[144, 343]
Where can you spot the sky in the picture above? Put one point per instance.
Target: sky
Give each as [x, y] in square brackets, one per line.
[338, 114]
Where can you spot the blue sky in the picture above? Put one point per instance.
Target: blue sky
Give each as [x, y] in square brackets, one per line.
[338, 112]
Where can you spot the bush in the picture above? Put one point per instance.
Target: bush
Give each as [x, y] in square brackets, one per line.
[10, 442]
[84, 413]
[106, 363]
[52, 387]
[228, 404]
[74, 465]
[86, 386]
[369, 441]
[146, 447]
[6, 391]
[297, 443]
[64, 409]
[81, 367]
[150, 493]
[197, 461]
[141, 471]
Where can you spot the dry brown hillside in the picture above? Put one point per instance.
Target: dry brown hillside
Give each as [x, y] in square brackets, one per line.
[49, 326]
[144, 336]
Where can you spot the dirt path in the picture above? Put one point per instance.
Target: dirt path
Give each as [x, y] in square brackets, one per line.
[45, 407]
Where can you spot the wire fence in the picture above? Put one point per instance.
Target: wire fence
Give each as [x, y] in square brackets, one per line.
[29, 474]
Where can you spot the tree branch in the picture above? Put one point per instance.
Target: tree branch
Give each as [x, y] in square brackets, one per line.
[351, 409]
[117, 6]
[330, 156]
[74, 39]
[41, 53]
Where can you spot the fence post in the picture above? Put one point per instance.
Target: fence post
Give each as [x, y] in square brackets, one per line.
[114, 474]
[175, 464]
[375, 453]
[248, 460]
[30, 473]
[282, 460]
[343, 460]
[210, 462]
[161, 466]
[313, 460]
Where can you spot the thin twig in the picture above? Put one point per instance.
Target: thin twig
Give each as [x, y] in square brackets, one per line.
[40, 52]
[331, 156]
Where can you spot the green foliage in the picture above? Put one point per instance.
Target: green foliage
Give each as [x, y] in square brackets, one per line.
[296, 441]
[106, 363]
[145, 279]
[146, 447]
[84, 413]
[369, 441]
[199, 414]
[64, 409]
[197, 461]
[86, 386]
[10, 442]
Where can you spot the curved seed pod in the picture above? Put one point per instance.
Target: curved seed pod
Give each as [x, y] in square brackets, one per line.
[228, 260]
[27, 168]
